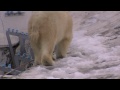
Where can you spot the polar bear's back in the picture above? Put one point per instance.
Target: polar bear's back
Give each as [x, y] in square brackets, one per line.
[51, 21]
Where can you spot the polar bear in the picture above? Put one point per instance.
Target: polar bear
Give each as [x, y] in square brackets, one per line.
[49, 31]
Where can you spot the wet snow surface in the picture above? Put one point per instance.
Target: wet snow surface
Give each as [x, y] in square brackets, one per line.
[93, 54]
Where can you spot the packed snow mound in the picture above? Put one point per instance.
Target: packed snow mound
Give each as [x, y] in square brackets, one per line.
[93, 54]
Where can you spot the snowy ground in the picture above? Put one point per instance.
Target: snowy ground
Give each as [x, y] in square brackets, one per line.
[93, 54]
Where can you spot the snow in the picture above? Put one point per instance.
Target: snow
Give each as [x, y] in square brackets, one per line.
[90, 55]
